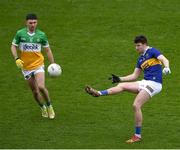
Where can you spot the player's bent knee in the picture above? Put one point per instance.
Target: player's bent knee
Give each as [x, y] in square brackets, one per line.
[136, 107]
[35, 92]
[41, 87]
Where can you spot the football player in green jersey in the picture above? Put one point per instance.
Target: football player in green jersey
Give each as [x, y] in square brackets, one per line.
[29, 41]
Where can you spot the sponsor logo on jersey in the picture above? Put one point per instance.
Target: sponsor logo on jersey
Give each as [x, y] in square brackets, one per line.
[30, 47]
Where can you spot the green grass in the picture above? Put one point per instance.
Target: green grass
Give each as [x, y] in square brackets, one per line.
[90, 39]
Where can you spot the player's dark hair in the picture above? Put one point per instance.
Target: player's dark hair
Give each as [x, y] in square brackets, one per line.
[31, 17]
[140, 39]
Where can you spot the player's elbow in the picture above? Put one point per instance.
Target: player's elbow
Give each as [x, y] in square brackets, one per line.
[165, 61]
[47, 50]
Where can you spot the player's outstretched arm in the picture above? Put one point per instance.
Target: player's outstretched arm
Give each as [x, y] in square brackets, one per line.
[132, 76]
[165, 62]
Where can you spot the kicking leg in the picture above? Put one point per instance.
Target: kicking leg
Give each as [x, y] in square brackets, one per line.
[126, 86]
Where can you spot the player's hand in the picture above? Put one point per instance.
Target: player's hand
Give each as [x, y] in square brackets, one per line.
[115, 79]
[166, 71]
[19, 63]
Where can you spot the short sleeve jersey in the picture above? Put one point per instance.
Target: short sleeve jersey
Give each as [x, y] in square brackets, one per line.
[151, 66]
[30, 46]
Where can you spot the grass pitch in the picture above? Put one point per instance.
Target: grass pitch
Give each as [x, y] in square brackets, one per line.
[90, 39]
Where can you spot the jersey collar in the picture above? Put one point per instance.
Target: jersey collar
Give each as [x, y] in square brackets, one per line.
[146, 50]
[31, 34]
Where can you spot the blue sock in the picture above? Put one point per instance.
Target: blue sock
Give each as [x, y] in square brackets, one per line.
[138, 130]
[105, 92]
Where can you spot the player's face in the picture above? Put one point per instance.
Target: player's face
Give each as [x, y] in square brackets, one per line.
[31, 24]
[140, 47]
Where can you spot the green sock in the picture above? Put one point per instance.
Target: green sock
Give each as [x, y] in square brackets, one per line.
[40, 104]
[48, 103]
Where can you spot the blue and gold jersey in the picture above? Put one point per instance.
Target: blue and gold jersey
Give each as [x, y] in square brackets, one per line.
[151, 66]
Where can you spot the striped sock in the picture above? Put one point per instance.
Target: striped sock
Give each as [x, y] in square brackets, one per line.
[138, 132]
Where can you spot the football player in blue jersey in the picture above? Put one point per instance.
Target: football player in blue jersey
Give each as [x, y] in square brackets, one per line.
[150, 62]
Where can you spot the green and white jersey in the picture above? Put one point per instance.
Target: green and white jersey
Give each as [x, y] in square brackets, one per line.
[30, 45]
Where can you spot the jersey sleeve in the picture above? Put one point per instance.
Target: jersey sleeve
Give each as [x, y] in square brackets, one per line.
[16, 39]
[45, 42]
[155, 52]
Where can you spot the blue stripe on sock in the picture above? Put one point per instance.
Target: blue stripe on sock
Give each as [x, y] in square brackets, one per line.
[105, 92]
[138, 130]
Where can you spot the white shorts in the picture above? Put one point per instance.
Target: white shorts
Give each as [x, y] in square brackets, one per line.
[149, 86]
[29, 73]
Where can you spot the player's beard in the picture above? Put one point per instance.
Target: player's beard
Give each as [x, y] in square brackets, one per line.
[32, 29]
